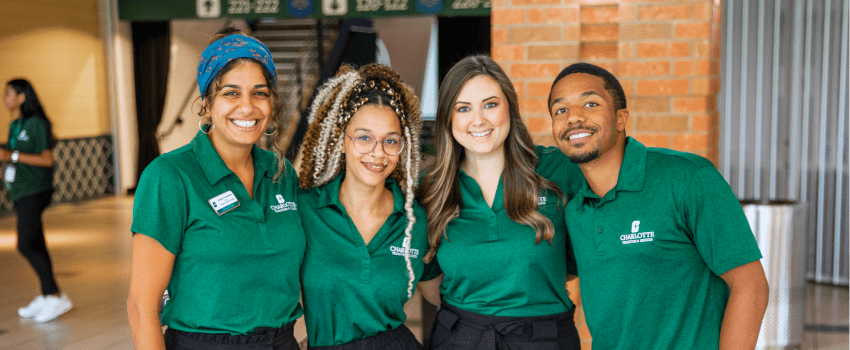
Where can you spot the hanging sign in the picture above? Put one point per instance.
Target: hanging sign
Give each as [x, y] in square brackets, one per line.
[157, 10]
[207, 8]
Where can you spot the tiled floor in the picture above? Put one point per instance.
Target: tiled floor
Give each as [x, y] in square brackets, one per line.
[826, 324]
[90, 247]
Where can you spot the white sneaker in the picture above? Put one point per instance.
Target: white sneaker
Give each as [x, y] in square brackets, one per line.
[33, 308]
[54, 307]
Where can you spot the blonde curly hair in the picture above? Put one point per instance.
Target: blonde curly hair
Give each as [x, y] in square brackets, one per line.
[337, 100]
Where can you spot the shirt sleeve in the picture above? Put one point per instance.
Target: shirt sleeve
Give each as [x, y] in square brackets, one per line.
[555, 166]
[572, 269]
[39, 136]
[717, 223]
[36, 130]
[432, 270]
[160, 207]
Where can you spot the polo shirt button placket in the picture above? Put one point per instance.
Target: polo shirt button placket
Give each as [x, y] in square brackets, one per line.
[366, 271]
[600, 241]
[493, 234]
[260, 217]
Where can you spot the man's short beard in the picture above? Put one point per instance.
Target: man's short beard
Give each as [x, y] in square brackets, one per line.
[584, 157]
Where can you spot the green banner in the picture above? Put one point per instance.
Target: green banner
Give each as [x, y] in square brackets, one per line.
[159, 10]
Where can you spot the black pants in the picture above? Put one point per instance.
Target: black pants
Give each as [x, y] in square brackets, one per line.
[31, 242]
[457, 329]
[399, 338]
[264, 338]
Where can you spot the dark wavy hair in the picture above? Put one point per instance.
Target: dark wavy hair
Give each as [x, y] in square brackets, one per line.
[439, 192]
[276, 99]
[31, 108]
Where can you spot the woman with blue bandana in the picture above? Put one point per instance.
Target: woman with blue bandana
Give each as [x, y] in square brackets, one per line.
[215, 223]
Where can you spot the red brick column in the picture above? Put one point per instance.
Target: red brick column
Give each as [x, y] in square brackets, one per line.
[665, 53]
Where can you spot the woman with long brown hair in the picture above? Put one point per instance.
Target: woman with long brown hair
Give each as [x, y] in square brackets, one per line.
[495, 222]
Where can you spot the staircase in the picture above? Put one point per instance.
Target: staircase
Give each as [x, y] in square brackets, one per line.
[294, 47]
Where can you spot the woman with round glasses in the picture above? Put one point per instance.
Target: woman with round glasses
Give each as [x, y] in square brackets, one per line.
[365, 233]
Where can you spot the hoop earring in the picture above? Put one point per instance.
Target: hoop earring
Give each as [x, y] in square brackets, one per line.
[272, 133]
[201, 125]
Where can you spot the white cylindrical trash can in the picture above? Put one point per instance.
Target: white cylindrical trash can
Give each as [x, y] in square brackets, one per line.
[779, 228]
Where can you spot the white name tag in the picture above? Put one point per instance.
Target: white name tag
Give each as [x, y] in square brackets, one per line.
[224, 202]
[9, 174]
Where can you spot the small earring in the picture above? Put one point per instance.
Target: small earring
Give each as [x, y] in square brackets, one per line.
[201, 125]
[272, 133]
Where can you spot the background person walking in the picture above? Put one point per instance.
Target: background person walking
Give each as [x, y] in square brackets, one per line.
[28, 174]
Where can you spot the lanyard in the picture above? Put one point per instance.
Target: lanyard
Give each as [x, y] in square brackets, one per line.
[16, 129]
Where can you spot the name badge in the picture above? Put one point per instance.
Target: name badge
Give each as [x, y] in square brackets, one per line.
[224, 203]
[9, 174]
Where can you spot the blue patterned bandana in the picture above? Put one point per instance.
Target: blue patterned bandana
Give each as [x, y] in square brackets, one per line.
[226, 49]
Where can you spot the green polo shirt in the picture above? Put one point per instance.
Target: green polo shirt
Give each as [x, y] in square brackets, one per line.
[650, 251]
[554, 166]
[30, 135]
[492, 265]
[352, 290]
[234, 272]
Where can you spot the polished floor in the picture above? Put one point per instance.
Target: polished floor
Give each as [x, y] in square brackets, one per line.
[90, 246]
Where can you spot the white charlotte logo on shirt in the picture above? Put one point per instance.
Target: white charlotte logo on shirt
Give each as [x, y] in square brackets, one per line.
[541, 201]
[283, 205]
[405, 247]
[23, 136]
[636, 236]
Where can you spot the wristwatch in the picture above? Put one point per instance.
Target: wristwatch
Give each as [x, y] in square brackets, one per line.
[15, 156]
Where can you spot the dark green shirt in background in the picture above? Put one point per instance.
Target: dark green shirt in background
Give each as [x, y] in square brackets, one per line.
[351, 290]
[32, 137]
[492, 265]
[650, 251]
[234, 272]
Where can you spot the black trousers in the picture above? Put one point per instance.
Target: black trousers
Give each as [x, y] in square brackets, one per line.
[399, 338]
[457, 329]
[264, 338]
[31, 242]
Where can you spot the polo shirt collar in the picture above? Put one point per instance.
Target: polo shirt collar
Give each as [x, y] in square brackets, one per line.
[632, 172]
[329, 193]
[214, 167]
[478, 196]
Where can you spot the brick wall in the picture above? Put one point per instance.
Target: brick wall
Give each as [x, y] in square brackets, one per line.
[665, 53]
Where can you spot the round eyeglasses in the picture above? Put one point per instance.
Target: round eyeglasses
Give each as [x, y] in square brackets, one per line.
[365, 143]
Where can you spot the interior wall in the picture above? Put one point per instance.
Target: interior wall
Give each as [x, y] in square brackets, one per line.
[407, 40]
[56, 45]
